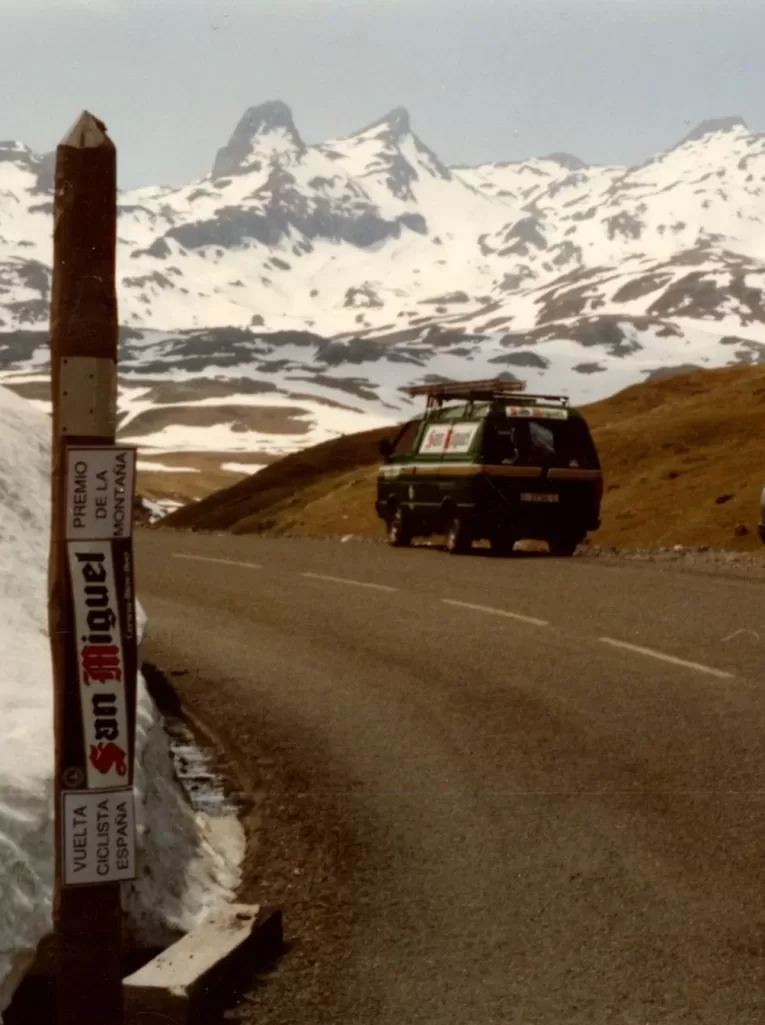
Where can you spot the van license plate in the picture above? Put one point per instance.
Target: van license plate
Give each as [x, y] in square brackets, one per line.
[529, 496]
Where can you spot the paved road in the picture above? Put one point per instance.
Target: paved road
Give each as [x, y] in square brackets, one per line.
[548, 773]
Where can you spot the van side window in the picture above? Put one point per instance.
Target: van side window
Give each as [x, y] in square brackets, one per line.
[575, 445]
[404, 443]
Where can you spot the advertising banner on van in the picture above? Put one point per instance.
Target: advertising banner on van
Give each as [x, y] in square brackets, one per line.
[537, 412]
[448, 438]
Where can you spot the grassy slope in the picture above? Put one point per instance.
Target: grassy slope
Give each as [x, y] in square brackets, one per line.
[669, 450]
[264, 500]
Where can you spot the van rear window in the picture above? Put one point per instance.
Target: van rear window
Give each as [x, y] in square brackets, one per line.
[560, 443]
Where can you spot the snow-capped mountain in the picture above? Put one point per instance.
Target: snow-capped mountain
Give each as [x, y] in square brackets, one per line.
[321, 278]
[373, 232]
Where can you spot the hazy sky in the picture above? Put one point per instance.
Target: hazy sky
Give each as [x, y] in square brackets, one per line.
[608, 80]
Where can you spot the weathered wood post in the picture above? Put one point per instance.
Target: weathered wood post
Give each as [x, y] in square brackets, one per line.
[91, 600]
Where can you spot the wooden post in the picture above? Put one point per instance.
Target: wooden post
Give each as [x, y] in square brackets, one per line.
[91, 604]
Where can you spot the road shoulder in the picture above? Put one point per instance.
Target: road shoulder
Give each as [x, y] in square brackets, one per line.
[296, 851]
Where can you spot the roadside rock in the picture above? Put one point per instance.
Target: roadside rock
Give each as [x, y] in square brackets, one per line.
[701, 558]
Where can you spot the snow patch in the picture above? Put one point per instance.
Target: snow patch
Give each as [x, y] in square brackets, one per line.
[247, 468]
[185, 869]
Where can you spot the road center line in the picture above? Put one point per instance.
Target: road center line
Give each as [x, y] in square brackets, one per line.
[223, 562]
[346, 580]
[671, 659]
[495, 612]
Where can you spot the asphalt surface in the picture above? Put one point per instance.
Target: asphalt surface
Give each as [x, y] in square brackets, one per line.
[543, 778]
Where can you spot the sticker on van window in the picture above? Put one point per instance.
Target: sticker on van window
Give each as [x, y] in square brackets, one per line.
[434, 439]
[537, 412]
[461, 437]
[441, 439]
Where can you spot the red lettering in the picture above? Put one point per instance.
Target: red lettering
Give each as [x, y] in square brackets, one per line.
[106, 757]
[101, 663]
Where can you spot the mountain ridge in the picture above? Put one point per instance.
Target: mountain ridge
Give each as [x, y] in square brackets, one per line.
[338, 272]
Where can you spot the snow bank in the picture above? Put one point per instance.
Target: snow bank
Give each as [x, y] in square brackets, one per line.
[157, 508]
[188, 863]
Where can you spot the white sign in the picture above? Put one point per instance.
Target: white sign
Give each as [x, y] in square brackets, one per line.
[99, 493]
[98, 837]
[100, 663]
[461, 437]
[537, 412]
[434, 439]
[448, 438]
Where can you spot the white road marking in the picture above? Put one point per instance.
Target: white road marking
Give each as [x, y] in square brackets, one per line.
[223, 562]
[495, 612]
[671, 659]
[347, 580]
[738, 633]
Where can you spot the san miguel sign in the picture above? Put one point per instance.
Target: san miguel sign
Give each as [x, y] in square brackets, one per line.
[100, 663]
[98, 813]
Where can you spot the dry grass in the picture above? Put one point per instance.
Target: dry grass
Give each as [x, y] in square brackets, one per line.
[670, 449]
[281, 489]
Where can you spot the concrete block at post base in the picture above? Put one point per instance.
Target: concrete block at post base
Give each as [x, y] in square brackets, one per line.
[201, 969]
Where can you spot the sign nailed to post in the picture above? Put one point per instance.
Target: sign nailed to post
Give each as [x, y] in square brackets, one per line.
[99, 493]
[99, 837]
[100, 663]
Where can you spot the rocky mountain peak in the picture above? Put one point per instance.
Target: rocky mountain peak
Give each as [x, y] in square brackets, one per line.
[714, 125]
[263, 132]
[567, 160]
[394, 125]
[400, 156]
[397, 122]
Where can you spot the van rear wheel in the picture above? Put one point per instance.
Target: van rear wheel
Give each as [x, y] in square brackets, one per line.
[399, 531]
[458, 538]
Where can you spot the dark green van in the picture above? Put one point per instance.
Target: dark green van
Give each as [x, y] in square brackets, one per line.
[487, 461]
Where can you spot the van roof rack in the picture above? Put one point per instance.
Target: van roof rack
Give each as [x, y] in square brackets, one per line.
[491, 390]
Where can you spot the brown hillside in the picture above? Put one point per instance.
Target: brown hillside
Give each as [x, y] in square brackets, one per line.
[684, 462]
[256, 503]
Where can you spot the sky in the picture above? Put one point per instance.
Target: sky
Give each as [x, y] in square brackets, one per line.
[612, 81]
